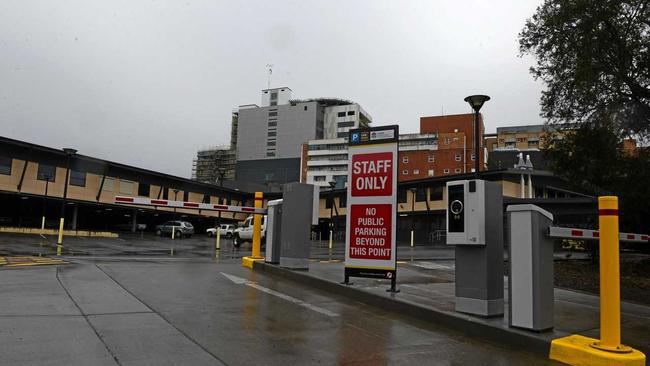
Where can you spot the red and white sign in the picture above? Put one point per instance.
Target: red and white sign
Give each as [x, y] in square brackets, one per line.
[372, 195]
[372, 174]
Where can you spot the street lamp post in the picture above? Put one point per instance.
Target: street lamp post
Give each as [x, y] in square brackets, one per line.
[332, 185]
[69, 153]
[476, 102]
[414, 192]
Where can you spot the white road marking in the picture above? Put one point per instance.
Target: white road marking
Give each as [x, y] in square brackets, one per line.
[431, 265]
[243, 281]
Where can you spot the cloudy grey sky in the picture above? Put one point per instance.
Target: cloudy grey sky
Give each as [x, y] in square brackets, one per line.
[147, 83]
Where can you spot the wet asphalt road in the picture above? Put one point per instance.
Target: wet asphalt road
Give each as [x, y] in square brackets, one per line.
[198, 311]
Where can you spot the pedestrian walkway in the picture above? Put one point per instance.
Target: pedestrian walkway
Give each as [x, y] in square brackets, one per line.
[427, 291]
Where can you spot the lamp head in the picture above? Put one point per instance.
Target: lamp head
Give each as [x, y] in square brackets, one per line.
[69, 151]
[477, 101]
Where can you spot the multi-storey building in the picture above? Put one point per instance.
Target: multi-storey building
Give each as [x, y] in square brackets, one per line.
[214, 165]
[443, 147]
[518, 138]
[269, 136]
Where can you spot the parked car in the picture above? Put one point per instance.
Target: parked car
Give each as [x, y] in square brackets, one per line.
[244, 233]
[180, 228]
[226, 231]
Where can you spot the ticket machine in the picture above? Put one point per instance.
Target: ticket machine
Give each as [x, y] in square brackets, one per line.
[475, 228]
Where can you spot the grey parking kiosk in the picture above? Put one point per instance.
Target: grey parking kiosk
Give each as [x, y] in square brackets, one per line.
[273, 232]
[475, 227]
[297, 202]
[530, 253]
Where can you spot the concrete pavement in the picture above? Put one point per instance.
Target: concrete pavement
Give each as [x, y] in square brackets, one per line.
[193, 311]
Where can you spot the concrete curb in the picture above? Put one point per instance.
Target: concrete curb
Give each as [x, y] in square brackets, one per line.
[468, 325]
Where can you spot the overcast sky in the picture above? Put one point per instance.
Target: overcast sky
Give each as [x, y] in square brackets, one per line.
[147, 83]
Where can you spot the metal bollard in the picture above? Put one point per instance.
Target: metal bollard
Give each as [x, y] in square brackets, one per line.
[59, 242]
[257, 228]
[610, 291]
[218, 244]
[412, 237]
[330, 243]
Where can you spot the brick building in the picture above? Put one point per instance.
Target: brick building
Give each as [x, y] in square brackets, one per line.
[454, 153]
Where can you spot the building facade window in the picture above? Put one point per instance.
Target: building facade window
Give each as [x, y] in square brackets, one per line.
[430, 159]
[5, 165]
[319, 178]
[271, 134]
[144, 189]
[126, 187]
[421, 195]
[533, 143]
[430, 173]
[446, 140]
[270, 153]
[457, 157]
[446, 171]
[273, 114]
[46, 173]
[405, 172]
[109, 184]
[473, 157]
[77, 178]
[457, 170]
[416, 171]
[436, 193]
[350, 113]
[186, 196]
[273, 123]
[405, 159]
[346, 124]
[340, 114]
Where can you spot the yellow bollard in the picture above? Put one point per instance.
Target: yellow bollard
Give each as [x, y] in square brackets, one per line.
[257, 228]
[608, 351]
[218, 245]
[330, 244]
[610, 291]
[59, 242]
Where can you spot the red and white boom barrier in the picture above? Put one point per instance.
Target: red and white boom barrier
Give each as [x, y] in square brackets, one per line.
[570, 233]
[188, 205]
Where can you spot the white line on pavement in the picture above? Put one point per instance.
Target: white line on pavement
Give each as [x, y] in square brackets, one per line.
[243, 281]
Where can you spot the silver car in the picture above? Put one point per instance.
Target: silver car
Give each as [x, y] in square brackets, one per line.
[180, 228]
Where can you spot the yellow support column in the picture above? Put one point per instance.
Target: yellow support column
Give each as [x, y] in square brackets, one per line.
[610, 291]
[580, 350]
[59, 242]
[257, 228]
[257, 235]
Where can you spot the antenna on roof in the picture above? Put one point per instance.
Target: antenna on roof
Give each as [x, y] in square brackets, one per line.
[270, 69]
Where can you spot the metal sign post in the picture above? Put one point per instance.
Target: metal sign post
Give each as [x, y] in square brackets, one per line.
[370, 241]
